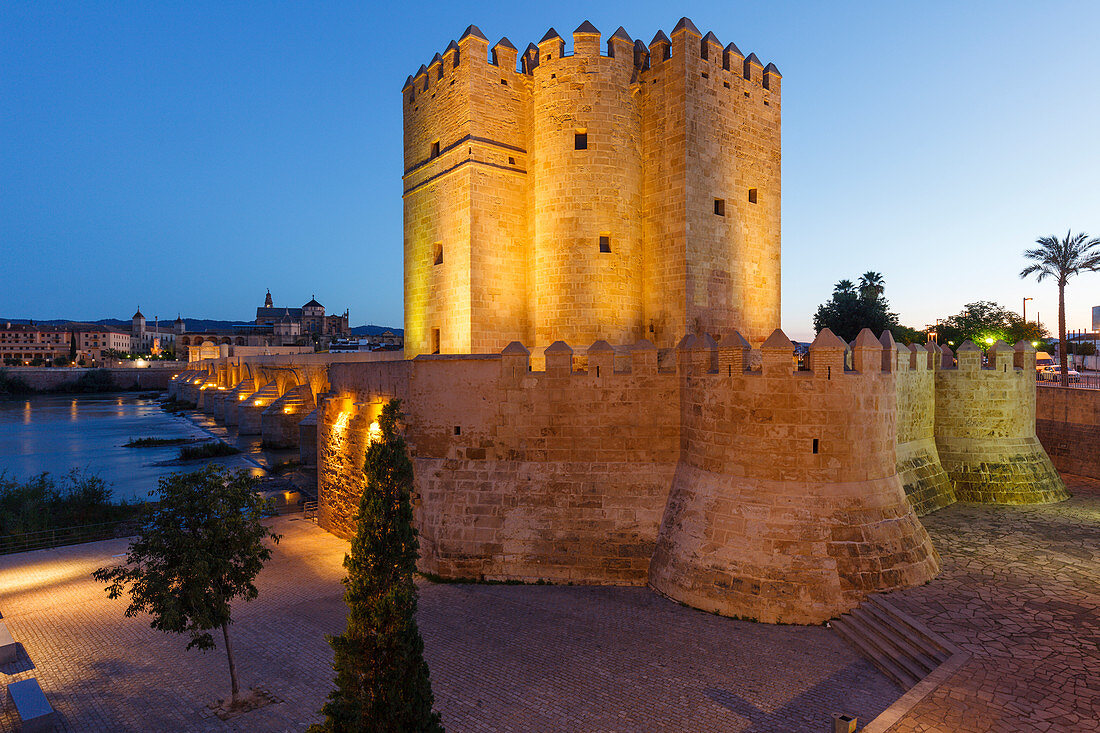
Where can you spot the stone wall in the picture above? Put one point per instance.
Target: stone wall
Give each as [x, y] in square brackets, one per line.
[786, 504]
[926, 484]
[556, 475]
[48, 379]
[985, 428]
[1068, 425]
[504, 209]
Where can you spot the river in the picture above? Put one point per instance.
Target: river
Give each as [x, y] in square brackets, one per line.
[54, 433]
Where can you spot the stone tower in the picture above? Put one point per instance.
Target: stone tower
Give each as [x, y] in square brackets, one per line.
[616, 192]
[137, 324]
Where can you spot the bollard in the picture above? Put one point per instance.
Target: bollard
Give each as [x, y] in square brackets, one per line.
[844, 723]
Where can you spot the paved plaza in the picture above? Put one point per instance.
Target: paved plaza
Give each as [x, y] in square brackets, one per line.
[502, 657]
[1019, 591]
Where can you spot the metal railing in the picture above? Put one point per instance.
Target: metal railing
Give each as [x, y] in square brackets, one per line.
[62, 536]
[309, 510]
[1083, 380]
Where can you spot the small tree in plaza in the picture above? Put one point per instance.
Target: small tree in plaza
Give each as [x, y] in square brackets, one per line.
[382, 681]
[201, 546]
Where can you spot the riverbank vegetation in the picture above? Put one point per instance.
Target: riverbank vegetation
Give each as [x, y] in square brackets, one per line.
[47, 502]
[172, 405]
[155, 442]
[13, 385]
[209, 449]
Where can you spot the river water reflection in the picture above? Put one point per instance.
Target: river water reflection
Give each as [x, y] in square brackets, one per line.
[57, 433]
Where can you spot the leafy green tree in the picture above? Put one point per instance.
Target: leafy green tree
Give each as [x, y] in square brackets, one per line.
[985, 322]
[905, 335]
[200, 547]
[1061, 259]
[846, 313]
[382, 681]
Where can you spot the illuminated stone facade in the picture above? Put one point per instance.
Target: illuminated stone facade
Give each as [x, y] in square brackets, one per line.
[619, 192]
[717, 473]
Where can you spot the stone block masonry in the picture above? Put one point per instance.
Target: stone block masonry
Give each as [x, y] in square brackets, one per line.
[552, 475]
[786, 505]
[565, 475]
[555, 201]
[631, 200]
[926, 484]
[771, 494]
[47, 379]
[985, 428]
[1068, 425]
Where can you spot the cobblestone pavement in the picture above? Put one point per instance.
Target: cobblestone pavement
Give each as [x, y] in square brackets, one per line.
[1020, 592]
[503, 658]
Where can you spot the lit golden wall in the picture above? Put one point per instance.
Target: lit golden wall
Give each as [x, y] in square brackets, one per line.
[519, 211]
[580, 293]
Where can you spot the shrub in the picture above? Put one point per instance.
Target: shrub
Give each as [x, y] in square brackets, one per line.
[209, 449]
[11, 385]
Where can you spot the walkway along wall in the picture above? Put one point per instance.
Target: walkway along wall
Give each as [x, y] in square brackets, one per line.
[1068, 425]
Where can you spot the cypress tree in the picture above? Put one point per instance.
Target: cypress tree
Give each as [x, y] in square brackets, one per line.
[382, 679]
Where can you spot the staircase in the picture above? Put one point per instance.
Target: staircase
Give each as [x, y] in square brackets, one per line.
[902, 648]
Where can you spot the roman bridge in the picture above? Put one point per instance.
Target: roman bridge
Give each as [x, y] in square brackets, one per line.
[274, 396]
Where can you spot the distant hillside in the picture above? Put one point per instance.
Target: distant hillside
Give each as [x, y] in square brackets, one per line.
[193, 325]
[376, 330]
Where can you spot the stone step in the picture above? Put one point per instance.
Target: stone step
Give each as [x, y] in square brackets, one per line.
[850, 632]
[933, 644]
[900, 646]
[889, 641]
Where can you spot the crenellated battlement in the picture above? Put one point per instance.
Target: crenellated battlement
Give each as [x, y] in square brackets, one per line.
[473, 47]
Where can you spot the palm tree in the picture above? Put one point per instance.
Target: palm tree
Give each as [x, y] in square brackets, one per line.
[871, 285]
[845, 287]
[1062, 259]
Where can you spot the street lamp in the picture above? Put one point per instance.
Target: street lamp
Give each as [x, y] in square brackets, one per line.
[1025, 308]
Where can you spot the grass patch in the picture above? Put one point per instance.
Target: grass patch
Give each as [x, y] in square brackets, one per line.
[433, 578]
[155, 442]
[209, 449]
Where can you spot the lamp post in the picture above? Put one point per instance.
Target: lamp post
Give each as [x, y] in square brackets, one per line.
[1025, 308]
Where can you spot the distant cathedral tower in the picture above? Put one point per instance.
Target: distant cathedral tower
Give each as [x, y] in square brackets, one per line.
[616, 193]
[137, 323]
[267, 300]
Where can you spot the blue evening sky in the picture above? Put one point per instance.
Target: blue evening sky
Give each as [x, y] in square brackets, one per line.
[186, 156]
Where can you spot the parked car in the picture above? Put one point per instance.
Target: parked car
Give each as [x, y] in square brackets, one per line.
[1054, 374]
